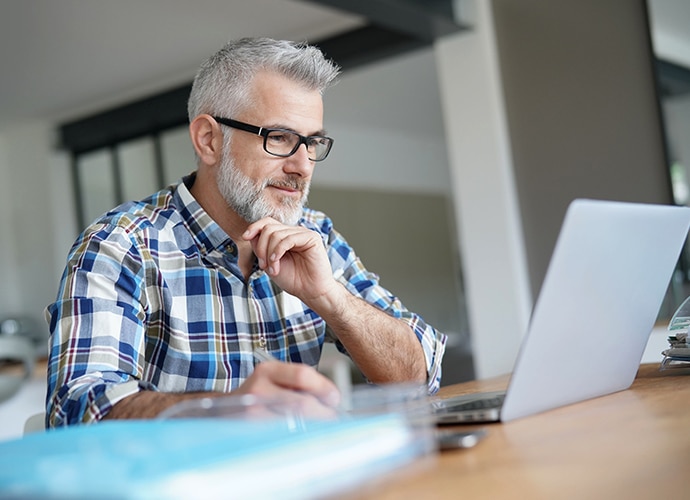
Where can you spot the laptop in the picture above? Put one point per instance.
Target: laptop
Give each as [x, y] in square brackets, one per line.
[603, 289]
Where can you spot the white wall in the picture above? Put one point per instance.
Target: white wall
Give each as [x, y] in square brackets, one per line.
[35, 206]
[487, 210]
[388, 129]
[8, 280]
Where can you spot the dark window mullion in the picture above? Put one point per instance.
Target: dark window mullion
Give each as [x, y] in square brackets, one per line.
[78, 191]
[158, 160]
[117, 174]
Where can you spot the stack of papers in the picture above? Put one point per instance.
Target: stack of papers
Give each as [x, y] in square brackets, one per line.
[205, 458]
[678, 353]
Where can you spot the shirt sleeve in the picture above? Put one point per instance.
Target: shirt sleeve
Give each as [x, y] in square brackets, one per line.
[350, 271]
[97, 329]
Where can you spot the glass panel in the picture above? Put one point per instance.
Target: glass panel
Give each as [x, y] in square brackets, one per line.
[676, 111]
[178, 154]
[97, 183]
[669, 41]
[137, 168]
[677, 115]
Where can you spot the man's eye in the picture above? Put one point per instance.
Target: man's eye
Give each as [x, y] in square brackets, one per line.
[279, 138]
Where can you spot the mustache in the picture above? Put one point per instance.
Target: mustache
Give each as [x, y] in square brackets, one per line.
[289, 183]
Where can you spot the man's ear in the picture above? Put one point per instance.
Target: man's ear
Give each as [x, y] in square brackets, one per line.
[207, 139]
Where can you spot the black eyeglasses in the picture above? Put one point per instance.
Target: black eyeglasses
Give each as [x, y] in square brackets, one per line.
[284, 143]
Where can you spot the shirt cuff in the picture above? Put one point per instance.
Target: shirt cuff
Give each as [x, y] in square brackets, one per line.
[112, 395]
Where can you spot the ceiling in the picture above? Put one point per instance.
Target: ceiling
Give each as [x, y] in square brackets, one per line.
[62, 59]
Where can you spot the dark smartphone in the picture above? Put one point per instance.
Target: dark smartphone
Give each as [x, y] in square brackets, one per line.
[449, 439]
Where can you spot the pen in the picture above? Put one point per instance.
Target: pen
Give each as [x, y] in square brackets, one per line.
[261, 356]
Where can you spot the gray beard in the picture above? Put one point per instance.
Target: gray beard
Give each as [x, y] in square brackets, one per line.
[248, 199]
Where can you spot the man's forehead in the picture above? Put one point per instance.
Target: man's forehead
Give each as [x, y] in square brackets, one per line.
[276, 100]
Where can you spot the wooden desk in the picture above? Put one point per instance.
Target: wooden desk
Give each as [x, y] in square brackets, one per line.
[628, 445]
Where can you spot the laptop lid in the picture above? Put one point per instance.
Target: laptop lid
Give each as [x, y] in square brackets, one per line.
[603, 289]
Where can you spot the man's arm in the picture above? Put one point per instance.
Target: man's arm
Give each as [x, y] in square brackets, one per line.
[384, 348]
[269, 380]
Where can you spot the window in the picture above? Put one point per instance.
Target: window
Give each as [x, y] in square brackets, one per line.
[129, 152]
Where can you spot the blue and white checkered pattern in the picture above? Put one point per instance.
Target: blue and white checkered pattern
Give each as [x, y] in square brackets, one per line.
[152, 298]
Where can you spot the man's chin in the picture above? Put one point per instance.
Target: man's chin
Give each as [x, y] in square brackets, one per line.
[287, 211]
[288, 218]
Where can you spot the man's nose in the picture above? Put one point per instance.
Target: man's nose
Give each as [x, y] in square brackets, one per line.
[299, 163]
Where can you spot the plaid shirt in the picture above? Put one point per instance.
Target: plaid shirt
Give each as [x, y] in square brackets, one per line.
[152, 298]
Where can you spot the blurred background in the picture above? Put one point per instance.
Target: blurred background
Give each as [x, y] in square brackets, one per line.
[463, 129]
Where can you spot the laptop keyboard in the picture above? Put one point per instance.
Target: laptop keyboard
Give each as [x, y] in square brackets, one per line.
[477, 404]
[481, 404]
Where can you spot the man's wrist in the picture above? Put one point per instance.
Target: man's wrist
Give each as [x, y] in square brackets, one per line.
[331, 304]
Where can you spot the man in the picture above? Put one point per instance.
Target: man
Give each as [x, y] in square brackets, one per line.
[175, 296]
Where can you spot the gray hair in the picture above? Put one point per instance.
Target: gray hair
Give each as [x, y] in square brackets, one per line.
[223, 83]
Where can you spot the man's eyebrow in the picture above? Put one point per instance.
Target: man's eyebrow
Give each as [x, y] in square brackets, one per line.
[320, 132]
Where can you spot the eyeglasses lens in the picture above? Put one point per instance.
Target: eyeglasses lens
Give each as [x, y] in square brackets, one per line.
[285, 143]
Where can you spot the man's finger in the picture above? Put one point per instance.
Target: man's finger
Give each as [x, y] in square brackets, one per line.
[299, 377]
[255, 228]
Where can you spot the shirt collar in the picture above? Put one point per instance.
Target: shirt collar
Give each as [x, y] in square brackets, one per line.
[207, 233]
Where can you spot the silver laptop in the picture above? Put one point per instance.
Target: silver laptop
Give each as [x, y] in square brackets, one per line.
[605, 284]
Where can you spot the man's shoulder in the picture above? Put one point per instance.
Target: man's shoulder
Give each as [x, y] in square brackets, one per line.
[155, 212]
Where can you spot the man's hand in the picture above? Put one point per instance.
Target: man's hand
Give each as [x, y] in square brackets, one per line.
[290, 390]
[294, 257]
[277, 379]
[384, 348]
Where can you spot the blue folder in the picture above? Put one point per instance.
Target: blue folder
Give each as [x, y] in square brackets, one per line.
[205, 458]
